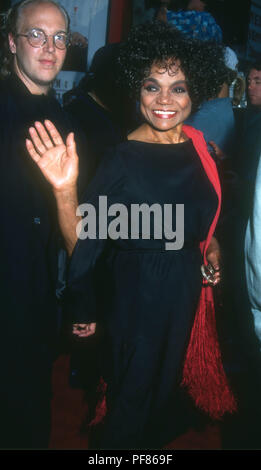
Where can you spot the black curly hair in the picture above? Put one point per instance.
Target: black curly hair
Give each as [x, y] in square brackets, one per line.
[159, 43]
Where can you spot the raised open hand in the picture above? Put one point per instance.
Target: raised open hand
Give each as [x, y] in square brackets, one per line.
[57, 161]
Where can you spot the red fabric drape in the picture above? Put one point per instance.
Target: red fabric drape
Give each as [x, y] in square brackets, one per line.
[203, 372]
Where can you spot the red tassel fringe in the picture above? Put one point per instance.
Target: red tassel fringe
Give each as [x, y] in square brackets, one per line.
[203, 372]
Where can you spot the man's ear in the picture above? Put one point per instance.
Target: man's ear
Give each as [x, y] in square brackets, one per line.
[12, 44]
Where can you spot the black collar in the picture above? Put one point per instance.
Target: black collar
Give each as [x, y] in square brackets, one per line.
[16, 86]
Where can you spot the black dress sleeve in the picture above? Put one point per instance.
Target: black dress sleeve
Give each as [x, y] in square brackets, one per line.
[109, 181]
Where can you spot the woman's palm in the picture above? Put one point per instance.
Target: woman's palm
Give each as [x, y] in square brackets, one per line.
[57, 161]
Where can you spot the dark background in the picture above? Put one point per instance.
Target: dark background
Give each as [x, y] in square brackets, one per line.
[233, 17]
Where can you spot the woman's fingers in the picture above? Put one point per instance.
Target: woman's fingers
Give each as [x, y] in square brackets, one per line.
[216, 276]
[32, 152]
[211, 274]
[40, 147]
[57, 139]
[71, 145]
[83, 330]
[213, 265]
[44, 135]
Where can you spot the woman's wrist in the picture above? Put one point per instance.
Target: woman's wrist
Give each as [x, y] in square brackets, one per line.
[66, 195]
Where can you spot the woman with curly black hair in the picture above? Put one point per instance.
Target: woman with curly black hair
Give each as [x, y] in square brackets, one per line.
[158, 319]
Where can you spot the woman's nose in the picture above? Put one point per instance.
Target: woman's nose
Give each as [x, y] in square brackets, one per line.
[164, 96]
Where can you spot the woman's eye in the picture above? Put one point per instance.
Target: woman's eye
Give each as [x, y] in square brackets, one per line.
[150, 88]
[179, 89]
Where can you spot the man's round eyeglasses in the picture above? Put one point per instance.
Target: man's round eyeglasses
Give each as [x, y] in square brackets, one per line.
[37, 38]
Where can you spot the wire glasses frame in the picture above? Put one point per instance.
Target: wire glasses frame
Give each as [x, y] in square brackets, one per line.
[37, 38]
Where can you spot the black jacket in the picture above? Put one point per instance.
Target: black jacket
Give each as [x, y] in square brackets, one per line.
[29, 234]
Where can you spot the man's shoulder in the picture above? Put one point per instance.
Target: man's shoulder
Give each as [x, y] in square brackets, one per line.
[5, 90]
[7, 102]
[8, 91]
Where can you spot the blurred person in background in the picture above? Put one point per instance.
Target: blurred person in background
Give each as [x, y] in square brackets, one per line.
[242, 273]
[249, 136]
[99, 104]
[215, 117]
[190, 17]
[253, 255]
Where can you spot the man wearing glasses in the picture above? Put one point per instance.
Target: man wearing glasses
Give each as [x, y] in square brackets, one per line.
[38, 43]
[35, 35]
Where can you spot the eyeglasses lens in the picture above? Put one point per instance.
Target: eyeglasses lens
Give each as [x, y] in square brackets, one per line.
[38, 38]
[60, 40]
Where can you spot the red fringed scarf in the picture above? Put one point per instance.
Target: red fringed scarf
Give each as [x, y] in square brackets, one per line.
[203, 372]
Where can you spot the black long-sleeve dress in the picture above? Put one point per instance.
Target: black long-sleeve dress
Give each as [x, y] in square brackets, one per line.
[149, 294]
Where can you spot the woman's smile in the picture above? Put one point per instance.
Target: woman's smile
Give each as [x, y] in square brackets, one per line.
[162, 114]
